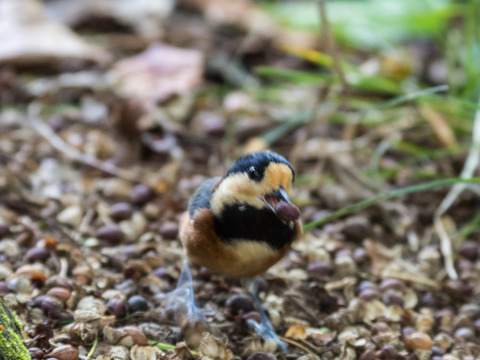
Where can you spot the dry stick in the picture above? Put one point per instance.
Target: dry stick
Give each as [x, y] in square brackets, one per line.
[468, 170]
[69, 151]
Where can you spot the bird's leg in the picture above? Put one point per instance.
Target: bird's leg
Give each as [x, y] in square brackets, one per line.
[183, 297]
[265, 328]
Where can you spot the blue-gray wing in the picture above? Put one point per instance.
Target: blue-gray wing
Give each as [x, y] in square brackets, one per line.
[201, 198]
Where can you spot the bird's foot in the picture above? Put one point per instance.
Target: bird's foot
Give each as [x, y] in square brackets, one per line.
[266, 331]
[182, 299]
[265, 328]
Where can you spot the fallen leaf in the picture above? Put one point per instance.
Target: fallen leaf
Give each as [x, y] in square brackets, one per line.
[296, 331]
[29, 37]
[158, 73]
[144, 16]
[213, 348]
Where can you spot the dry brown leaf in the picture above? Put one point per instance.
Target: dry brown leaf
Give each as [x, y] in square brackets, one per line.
[213, 348]
[144, 16]
[29, 37]
[297, 331]
[439, 124]
[158, 73]
[248, 16]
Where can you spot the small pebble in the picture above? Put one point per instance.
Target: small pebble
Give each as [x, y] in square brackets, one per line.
[345, 266]
[436, 350]
[393, 297]
[161, 273]
[65, 352]
[169, 230]
[388, 352]
[239, 304]
[133, 335]
[5, 271]
[476, 323]
[253, 315]
[261, 285]
[36, 353]
[407, 330]
[121, 211]
[342, 253]
[117, 307]
[361, 256]
[141, 194]
[357, 228]
[379, 328]
[319, 269]
[417, 341]
[469, 250]
[392, 283]
[137, 303]
[71, 215]
[365, 284]
[450, 357]
[56, 122]
[458, 290]
[60, 293]
[368, 355]
[19, 285]
[261, 356]
[430, 300]
[465, 334]
[59, 281]
[4, 230]
[37, 254]
[471, 310]
[9, 248]
[369, 294]
[110, 233]
[51, 307]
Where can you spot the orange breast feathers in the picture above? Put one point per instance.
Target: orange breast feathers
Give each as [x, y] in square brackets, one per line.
[238, 258]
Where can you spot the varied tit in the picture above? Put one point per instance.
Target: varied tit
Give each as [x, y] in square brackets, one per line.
[242, 224]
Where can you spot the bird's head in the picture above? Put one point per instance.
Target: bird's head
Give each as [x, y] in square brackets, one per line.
[261, 180]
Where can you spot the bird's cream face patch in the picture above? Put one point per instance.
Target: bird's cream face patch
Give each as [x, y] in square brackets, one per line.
[239, 188]
[278, 175]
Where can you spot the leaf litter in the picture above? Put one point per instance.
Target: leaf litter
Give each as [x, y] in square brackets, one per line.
[99, 158]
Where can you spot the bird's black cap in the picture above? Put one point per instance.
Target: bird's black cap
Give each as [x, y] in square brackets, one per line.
[256, 162]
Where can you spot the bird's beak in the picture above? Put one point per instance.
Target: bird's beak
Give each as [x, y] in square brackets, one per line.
[279, 202]
[274, 197]
[282, 194]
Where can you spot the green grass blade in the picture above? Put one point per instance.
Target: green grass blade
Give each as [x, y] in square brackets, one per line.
[392, 194]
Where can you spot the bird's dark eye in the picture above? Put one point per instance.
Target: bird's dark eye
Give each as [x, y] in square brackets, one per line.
[254, 174]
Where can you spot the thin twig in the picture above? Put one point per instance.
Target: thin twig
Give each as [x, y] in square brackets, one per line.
[301, 307]
[468, 170]
[297, 344]
[411, 278]
[72, 153]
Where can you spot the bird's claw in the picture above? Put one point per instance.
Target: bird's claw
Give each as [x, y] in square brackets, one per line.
[265, 328]
[266, 331]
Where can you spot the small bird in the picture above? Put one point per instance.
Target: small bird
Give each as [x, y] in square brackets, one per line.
[242, 224]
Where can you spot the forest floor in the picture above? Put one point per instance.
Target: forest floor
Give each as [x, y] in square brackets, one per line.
[112, 115]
